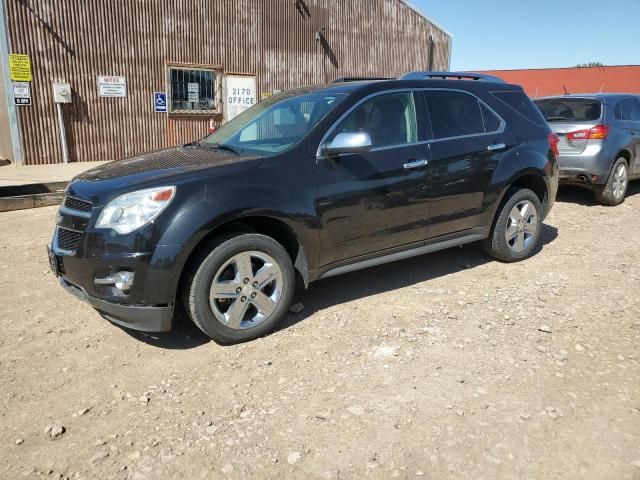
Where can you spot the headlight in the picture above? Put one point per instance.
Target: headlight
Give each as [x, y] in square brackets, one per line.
[131, 211]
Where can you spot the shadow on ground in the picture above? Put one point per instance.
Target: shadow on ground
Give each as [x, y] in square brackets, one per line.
[393, 276]
[348, 287]
[586, 197]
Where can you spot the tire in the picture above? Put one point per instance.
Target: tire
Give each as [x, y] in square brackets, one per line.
[614, 191]
[524, 232]
[226, 294]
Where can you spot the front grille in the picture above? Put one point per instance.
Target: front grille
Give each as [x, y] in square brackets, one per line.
[68, 239]
[77, 204]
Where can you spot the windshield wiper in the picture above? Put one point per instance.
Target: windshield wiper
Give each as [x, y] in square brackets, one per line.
[224, 146]
[556, 119]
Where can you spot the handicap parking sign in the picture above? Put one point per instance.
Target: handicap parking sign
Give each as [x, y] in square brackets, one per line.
[160, 102]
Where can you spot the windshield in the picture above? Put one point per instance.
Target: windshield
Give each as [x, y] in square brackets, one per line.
[570, 109]
[275, 124]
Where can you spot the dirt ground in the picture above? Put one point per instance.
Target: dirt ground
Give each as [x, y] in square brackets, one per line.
[443, 366]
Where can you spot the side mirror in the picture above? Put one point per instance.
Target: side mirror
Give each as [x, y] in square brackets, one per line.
[348, 142]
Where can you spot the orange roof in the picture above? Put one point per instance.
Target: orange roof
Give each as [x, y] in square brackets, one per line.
[553, 81]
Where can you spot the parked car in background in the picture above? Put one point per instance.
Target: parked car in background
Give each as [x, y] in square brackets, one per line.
[599, 141]
[305, 185]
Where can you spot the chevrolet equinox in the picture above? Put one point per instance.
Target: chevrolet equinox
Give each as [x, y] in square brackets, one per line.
[305, 185]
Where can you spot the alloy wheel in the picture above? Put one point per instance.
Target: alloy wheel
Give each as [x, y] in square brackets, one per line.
[522, 226]
[620, 181]
[246, 290]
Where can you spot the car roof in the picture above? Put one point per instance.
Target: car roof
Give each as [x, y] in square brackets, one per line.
[367, 86]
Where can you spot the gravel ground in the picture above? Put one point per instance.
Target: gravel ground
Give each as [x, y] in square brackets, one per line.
[443, 366]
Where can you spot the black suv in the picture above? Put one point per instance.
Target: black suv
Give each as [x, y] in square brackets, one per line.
[305, 185]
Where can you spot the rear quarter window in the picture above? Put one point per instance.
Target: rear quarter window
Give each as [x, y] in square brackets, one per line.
[522, 104]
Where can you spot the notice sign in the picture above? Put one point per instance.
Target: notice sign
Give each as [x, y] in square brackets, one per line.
[193, 90]
[112, 87]
[20, 67]
[22, 93]
[239, 94]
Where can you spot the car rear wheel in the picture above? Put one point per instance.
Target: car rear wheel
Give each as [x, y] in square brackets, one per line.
[517, 228]
[241, 289]
[614, 191]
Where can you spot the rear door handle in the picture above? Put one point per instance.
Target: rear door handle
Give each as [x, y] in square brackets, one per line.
[415, 164]
[496, 147]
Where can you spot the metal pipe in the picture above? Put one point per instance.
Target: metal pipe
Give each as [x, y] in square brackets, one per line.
[14, 124]
[63, 136]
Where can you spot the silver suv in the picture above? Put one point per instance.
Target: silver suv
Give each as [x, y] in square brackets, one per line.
[599, 141]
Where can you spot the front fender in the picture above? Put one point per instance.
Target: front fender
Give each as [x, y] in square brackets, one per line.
[256, 194]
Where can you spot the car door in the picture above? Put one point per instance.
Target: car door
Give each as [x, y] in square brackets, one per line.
[468, 138]
[631, 118]
[379, 199]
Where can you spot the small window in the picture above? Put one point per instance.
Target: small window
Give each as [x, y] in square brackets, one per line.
[491, 122]
[630, 110]
[389, 119]
[619, 111]
[522, 104]
[193, 90]
[454, 114]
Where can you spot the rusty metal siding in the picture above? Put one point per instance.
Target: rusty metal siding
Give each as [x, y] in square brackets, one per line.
[75, 41]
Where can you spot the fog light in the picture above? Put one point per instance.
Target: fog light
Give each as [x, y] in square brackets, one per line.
[122, 280]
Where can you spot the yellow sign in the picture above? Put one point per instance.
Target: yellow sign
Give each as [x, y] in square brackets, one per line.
[20, 67]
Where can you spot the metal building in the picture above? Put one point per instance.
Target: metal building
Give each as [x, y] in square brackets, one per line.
[138, 75]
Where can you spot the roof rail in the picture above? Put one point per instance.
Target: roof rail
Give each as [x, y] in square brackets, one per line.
[358, 79]
[457, 75]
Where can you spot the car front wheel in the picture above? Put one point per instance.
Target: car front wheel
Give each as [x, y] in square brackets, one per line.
[241, 289]
[517, 228]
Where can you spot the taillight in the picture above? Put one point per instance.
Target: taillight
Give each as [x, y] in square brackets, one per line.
[554, 140]
[596, 133]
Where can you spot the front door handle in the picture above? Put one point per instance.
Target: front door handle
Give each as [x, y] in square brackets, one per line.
[496, 147]
[415, 164]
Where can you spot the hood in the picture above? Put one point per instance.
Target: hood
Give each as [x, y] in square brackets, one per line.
[165, 162]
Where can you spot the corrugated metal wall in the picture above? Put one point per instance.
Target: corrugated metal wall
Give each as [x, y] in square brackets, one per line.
[77, 40]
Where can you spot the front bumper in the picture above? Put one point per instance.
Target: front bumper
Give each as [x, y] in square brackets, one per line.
[137, 317]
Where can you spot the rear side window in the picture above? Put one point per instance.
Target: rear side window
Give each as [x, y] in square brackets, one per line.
[522, 104]
[630, 109]
[454, 114]
[570, 109]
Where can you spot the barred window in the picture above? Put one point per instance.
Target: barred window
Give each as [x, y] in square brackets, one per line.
[193, 90]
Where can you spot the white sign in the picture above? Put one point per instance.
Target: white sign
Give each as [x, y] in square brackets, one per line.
[112, 87]
[22, 93]
[193, 90]
[239, 94]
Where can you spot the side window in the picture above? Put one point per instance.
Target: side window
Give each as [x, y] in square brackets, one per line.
[454, 114]
[193, 90]
[518, 101]
[390, 119]
[491, 122]
[630, 110]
